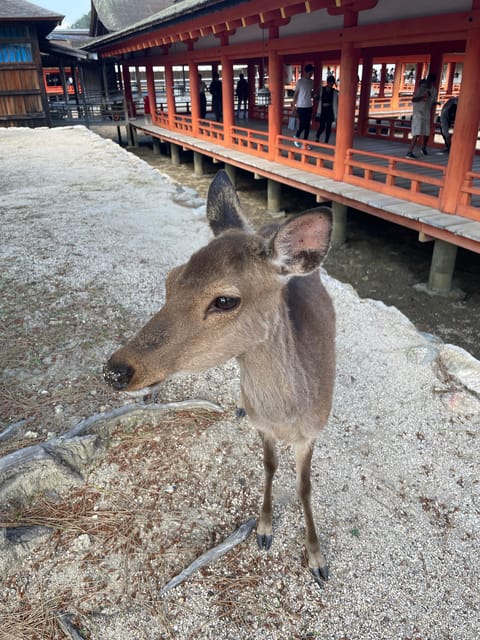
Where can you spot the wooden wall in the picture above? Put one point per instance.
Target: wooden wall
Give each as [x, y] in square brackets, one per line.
[22, 94]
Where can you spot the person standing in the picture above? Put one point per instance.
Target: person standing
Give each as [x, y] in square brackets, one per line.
[202, 87]
[327, 109]
[242, 95]
[216, 91]
[447, 120]
[424, 100]
[303, 104]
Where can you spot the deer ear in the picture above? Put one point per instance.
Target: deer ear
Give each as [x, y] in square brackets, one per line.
[223, 206]
[301, 244]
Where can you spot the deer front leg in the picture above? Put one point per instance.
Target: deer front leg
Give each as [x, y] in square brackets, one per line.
[270, 463]
[316, 560]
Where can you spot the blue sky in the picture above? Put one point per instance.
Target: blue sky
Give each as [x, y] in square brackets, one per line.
[73, 10]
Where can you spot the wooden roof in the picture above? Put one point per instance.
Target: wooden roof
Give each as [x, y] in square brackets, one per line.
[115, 15]
[244, 21]
[21, 10]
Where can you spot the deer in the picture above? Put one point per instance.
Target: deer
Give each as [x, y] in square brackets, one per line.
[257, 297]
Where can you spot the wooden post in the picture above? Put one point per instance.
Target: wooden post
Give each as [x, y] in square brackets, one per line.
[152, 97]
[466, 126]
[228, 105]
[194, 95]
[364, 106]
[169, 88]
[127, 87]
[274, 196]
[339, 227]
[251, 88]
[449, 79]
[442, 267]
[346, 107]
[275, 108]
[397, 83]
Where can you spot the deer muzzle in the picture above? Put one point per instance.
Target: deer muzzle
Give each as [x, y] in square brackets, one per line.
[118, 375]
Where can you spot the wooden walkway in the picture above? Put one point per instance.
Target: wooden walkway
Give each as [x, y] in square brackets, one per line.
[430, 223]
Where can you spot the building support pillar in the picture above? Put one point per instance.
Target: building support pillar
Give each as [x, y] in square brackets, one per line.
[364, 106]
[169, 87]
[152, 96]
[275, 108]
[132, 140]
[442, 267]
[274, 196]
[156, 146]
[198, 163]
[346, 108]
[175, 153]
[228, 100]
[339, 227]
[194, 98]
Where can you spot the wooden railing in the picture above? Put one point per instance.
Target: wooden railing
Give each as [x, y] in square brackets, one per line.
[311, 156]
[250, 141]
[390, 128]
[398, 177]
[410, 180]
[469, 203]
[211, 130]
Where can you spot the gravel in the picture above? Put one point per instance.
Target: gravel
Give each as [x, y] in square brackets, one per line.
[89, 232]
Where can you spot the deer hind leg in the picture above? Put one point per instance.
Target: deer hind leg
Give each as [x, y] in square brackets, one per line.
[316, 560]
[270, 463]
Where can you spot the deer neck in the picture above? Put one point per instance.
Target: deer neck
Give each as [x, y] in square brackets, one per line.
[272, 375]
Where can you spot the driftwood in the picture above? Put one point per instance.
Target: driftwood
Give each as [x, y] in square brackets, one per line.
[238, 536]
[53, 450]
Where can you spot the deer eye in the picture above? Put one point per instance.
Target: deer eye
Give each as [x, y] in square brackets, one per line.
[224, 303]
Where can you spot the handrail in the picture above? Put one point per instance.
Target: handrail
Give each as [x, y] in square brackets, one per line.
[469, 189]
[250, 140]
[414, 181]
[386, 174]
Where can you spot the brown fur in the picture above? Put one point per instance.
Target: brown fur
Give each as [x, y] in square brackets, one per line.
[280, 325]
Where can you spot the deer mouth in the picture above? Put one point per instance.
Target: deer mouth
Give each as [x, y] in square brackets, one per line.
[149, 390]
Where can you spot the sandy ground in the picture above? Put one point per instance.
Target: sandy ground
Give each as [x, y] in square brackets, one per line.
[89, 232]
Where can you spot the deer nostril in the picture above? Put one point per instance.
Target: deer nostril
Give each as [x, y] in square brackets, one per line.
[118, 376]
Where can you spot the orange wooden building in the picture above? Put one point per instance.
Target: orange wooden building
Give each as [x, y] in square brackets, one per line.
[364, 166]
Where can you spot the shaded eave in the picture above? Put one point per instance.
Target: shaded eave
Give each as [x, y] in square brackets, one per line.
[58, 50]
[187, 21]
[169, 17]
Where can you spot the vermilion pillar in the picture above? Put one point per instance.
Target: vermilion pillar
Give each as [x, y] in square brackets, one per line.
[466, 125]
[346, 107]
[364, 105]
[194, 95]
[152, 97]
[397, 84]
[227, 99]
[275, 108]
[169, 87]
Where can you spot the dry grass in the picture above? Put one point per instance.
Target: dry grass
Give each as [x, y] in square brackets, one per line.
[121, 517]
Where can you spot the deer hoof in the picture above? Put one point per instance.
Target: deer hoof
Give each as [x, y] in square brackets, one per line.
[240, 412]
[264, 541]
[320, 574]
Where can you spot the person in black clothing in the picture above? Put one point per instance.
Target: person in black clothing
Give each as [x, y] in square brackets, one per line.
[203, 98]
[327, 109]
[447, 120]
[242, 95]
[216, 91]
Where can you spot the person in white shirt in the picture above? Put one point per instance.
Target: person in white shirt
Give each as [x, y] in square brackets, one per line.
[302, 104]
[424, 101]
